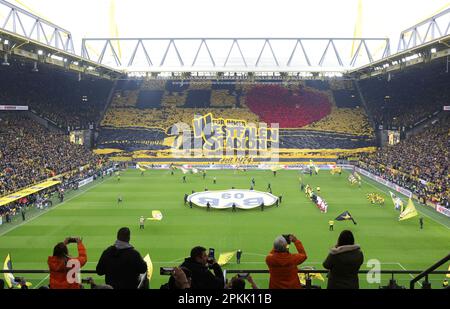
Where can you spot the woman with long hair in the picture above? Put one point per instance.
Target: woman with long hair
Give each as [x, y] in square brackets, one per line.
[62, 267]
[343, 263]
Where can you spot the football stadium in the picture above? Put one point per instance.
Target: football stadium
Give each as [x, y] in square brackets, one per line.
[157, 156]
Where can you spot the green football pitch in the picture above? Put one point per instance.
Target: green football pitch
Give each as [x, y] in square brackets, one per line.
[94, 214]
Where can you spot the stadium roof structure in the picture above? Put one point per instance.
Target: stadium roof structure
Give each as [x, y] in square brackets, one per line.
[423, 53]
[32, 38]
[25, 35]
[421, 43]
[235, 54]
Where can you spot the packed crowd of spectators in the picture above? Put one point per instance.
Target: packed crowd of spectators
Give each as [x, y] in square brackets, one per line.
[405, 98]
[58, 96]
[291, 109]
[344, 120]
[132, 139]
[30, 153]
[420, 163]
[165, 118]
[291, 105]
[302, 139]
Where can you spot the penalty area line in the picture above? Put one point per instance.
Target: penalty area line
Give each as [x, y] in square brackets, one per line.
[399, 264]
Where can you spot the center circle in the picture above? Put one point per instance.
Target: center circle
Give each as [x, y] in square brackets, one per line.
[223, 199]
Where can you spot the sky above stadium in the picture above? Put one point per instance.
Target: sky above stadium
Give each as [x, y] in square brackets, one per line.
[234, 18]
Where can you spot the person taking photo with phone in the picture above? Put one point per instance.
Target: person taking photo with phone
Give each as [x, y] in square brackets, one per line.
[199, 264]
[63, 268]
[283, 265]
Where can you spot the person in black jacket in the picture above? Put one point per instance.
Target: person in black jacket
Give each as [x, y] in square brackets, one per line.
[343, 263]
[199, 264]
[121, 263]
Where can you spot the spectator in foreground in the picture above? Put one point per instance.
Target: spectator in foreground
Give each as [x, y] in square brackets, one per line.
[343, 262]
[283, 265]
[199, 263]
[238, 283]
[181, 278]
[95, 286]
[121, 264]
[60, 263]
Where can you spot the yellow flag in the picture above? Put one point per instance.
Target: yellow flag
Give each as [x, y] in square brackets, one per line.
[302, 277]
[9, 277]
[224, 258]
[156, 216]
[149, 266]
[317, 276]
[409, 212]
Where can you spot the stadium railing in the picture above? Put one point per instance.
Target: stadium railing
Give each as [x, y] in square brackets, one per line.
[428, 271]
[421, 274]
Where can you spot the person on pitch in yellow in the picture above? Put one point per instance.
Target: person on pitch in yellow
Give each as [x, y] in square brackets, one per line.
[331, 225]
[318, 189]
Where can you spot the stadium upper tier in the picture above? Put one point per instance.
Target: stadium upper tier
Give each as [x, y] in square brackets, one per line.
[404, 98]
[54, 94]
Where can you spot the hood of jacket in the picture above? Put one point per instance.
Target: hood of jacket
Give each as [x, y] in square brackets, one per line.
[343, 249]
[122, 245]
[118, 248]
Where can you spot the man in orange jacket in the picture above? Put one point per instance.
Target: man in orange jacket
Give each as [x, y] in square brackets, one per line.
[283, 265]
[61, 263]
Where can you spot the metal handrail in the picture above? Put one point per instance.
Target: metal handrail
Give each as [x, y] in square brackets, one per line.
[265, 271]
[253, 271]
[428, 271]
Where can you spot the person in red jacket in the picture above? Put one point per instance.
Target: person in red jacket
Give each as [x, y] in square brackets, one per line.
[283, 265]
[61, 263]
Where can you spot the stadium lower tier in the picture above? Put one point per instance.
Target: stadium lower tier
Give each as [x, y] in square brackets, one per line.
[135, 139]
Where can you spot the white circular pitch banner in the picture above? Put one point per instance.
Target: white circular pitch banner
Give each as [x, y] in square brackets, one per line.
[244, 199]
